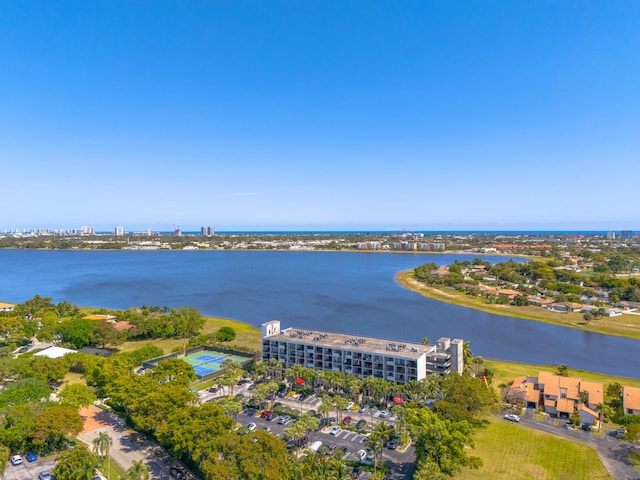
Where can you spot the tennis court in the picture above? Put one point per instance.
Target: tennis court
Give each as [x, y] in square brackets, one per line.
[205, 363]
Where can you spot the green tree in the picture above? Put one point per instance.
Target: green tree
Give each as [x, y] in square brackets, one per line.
[138, 471]
[614, 390]
[562, 370]
[4, 458]
[77, 395]
[105, 333]
[174, 370]
[441, 443]
[77, 331]
[77, 463]
[53, 423]
[24, 390]
[225, 334]
[102, 447]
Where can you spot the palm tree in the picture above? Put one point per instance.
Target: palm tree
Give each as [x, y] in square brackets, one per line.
[466, 353]
[102, 446]
[138, 471]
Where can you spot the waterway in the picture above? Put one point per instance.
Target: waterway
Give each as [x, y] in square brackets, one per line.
[342, 292]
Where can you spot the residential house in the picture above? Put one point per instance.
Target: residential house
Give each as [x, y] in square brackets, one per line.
[6, 307]
[612, 312]
[631, 400]
[559, 396]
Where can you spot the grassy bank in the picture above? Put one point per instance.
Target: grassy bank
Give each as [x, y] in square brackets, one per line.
[511, 451]
[247, 336]
[623, 325]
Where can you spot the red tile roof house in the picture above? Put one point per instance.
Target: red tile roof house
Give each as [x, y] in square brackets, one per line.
[560, 396]
[631, 400]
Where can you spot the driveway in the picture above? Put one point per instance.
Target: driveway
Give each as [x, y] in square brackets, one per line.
[613, 452]
[128, 445]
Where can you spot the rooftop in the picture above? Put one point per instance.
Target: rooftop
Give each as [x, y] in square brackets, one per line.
[355, 343]
[631, 397]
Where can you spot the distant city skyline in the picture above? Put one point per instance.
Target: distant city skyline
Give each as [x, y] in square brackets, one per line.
[320, 116]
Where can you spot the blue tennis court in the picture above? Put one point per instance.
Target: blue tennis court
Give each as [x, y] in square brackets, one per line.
[207, 358]
[201, 370]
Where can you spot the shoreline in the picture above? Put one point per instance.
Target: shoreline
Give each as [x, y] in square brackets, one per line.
[406, 280]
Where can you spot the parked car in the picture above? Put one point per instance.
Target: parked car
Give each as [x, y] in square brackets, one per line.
[335, 430]
[16, 460]
[251, 426]
[271, 417]
[362, 454]
[44, 476]
[266, 429]
[31, 457]
[620, 432]
[283, 420]
[362, 424]
[346, 420]
[363, 409]
[250, 412]
[384, 413]
[586, 427]
[349, 406]
[315, 446]
[265, 413]
[393, 444]
[512, 417]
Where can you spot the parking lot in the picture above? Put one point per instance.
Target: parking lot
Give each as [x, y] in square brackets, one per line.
[29, 470]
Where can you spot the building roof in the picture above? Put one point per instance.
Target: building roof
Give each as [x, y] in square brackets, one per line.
[554, 383]
[631, 398]
[355, 343]
[124, 325]
[7, 305]
[96, 316]
[596, 391]
[54, 352]
[565, 405]
[584, 408]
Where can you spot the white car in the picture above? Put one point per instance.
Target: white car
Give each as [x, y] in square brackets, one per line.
[283, 420]
[512, 418]
[362, 454]
[335, 430]
[16, 460]
[251, 426]
[349, 406]
[384, 414]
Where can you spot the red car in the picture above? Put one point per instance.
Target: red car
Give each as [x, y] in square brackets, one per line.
[265, 413]
[346, 420]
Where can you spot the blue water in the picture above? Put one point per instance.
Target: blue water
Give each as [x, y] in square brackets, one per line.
[342, 292]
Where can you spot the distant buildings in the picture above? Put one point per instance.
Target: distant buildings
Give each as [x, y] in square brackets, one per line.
[119, 231]
[611, 235]
[626, 234]
[363, 357]
[207, 231]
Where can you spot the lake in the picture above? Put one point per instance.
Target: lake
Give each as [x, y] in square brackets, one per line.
[344, 292]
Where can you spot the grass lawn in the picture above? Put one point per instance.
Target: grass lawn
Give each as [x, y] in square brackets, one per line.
[623, 325]
[512, 451]
[635, 459]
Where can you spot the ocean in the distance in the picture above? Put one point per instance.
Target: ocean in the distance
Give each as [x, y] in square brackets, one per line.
[343, 292]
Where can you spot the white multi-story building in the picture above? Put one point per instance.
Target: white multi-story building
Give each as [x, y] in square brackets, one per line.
[394, 361]
[119, 231]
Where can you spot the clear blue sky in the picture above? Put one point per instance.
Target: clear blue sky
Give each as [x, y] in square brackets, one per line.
[320, 114]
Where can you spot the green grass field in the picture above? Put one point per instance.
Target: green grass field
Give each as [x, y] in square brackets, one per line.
[623, 325]
[515, 452]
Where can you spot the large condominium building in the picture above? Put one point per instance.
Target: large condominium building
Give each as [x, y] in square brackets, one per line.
[395, 361]
[119, 231]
